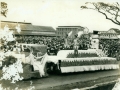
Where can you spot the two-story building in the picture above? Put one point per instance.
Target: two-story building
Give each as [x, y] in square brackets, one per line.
[72, 30]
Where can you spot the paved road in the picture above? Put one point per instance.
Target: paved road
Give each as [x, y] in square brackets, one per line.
[55, 80]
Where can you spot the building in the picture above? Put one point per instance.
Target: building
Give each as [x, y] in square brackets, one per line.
[98, 37]
[29, 29]
[72, 30]
[110, 34]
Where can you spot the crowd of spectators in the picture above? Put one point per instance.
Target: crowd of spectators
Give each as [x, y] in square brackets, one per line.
[11, 46]
[33, 39]
[54, 44]
[109, 46]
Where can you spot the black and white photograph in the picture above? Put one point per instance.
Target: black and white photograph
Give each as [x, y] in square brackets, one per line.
[59, 45]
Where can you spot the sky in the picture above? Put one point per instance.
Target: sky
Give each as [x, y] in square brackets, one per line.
[56, 13]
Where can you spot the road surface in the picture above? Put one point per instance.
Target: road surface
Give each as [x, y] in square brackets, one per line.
[58, 80]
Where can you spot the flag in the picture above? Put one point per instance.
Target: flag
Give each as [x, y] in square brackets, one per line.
[70, 33]
[80, 33]
[18, 28]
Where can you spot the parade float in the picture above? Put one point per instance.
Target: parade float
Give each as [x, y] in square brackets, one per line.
[87, 60]
[91, 59]
[65, 62]
[35, 62]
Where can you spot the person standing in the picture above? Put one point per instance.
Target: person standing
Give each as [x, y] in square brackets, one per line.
[66, 44]
[76, 46]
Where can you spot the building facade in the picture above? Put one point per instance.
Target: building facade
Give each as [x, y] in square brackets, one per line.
[71, 30]
[99, 37]
[110, 34]
[29, 29]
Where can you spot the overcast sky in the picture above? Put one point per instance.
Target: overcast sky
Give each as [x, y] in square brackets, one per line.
[56, 13]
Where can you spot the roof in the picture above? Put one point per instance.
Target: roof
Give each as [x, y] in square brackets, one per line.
[15, 22]
[35, 33]
[26, 26]
[110, 31]
[70, 27]
[116, 30]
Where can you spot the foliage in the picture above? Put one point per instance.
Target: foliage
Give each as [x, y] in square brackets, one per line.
[110, 10]
[11, 69]
[4, 8]
[111, 48]
[9, 60]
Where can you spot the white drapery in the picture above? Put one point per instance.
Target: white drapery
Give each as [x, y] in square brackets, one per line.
[88, 68]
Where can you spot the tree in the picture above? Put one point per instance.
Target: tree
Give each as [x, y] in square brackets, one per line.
[110, 10]
[4, 9]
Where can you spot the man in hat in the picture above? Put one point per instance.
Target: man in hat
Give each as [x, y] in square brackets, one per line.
[76, 46]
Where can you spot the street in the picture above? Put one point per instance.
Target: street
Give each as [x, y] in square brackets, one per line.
[57, 80]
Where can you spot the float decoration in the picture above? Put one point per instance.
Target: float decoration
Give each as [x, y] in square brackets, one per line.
[11, 66]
